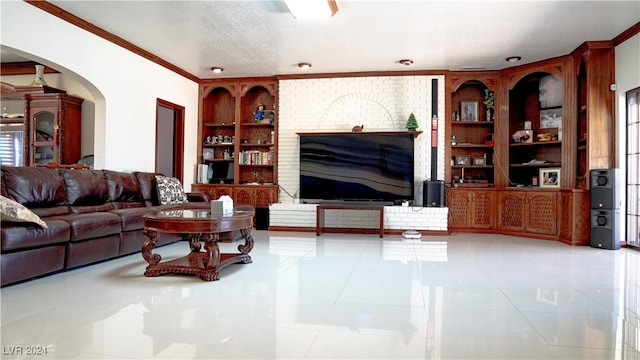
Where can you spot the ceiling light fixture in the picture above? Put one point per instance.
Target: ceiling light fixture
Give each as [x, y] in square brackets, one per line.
[406, 62]
[513, 59]
[217, 70]
[312, 9]
[304, 66]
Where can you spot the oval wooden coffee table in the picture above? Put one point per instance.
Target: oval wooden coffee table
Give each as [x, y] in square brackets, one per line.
[198, 225]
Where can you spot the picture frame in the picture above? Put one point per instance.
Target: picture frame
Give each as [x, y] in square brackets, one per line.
[551, 118]
[549, 177]
[207, 154]
[550, 92]
[463, 160]
[478, 161]
[469, 110]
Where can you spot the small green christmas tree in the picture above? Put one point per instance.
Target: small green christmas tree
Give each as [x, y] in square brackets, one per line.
[412, 123]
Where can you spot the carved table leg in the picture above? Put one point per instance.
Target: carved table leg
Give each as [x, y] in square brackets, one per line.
[248, 241]
[194, 242]
[148, 246]
[212, 257]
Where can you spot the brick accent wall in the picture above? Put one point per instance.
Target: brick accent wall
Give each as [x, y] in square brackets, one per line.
[337, 104]
[395, 217]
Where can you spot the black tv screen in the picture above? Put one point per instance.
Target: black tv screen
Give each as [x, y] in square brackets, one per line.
[356, 166]
[220, 172]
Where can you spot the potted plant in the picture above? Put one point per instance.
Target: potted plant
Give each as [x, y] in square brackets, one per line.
[412, 123]
[488, 102]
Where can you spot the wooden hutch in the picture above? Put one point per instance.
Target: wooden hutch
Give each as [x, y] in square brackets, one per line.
[238, 130]
[525, 171]
[52, 124]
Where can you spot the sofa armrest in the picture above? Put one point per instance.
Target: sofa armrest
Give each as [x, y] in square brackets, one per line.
[197, 196]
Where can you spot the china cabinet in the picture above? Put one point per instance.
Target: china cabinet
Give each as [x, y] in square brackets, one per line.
[52, 128]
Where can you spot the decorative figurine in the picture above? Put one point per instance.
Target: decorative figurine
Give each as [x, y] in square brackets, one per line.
[259, 115]
[357, 128]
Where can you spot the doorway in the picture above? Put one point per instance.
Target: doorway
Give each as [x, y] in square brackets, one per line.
[169, 138]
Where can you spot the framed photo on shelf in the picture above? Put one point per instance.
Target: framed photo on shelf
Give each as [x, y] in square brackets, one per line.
[549, 178]
[479, 161]
[550, 92]
[469, 110]
[463, 160]
[551, 118]
[207, 154]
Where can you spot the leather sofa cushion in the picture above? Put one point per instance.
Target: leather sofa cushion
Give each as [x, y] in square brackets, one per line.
[148, 190]
[22, 265]
[86, 187]
[3, 185]
[133, 219]
[92, 225]
[92, 208]
[51, 211]
[35, 187]
[123, 187]
[22, 236]
[127, 205]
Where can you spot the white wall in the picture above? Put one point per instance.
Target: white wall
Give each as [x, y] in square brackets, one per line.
[627, 78]
[337, 104]
[123, 85]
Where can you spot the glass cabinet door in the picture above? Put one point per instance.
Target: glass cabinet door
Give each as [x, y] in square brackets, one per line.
[44, 138]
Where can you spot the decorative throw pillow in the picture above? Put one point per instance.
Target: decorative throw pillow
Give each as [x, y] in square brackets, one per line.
[16, 212]
[170, 190]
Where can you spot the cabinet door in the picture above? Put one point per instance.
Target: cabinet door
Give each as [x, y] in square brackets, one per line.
[214, 191]
[265, 196]
[243, 195]
[44, 137]
[482, 209]
[542, 217]
[458, 203]
[511, 210]
[255, 195]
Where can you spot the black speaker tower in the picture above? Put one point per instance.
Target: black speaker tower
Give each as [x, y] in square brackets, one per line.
[605, 213]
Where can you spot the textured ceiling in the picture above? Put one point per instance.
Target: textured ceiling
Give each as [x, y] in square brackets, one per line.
[260, 38]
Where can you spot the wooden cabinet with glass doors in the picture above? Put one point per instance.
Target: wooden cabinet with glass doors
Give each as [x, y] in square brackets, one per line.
[52, 129]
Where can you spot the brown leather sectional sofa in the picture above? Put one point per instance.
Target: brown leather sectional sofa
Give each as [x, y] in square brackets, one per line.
[92, 215]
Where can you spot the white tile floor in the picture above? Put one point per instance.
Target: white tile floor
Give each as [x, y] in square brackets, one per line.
[465, 296]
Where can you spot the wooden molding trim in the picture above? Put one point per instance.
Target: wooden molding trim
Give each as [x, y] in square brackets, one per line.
[627, 34]
[23, 68]
[85, 25]
[362, 74]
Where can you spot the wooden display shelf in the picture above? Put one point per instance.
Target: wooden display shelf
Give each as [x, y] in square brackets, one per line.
[537, 143]
[472, 146]
[214, 124]
[256, 124]
[472, 123]
[539, 165]
[472, 185]
[472, 166]
[217, 160]
[217, 145]
[257, 145]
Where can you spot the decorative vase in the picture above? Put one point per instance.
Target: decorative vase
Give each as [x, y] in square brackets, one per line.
[490, 114]
[39, 80]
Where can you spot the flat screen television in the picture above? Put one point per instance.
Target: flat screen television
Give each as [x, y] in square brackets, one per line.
[220, 172]
[356, 167]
